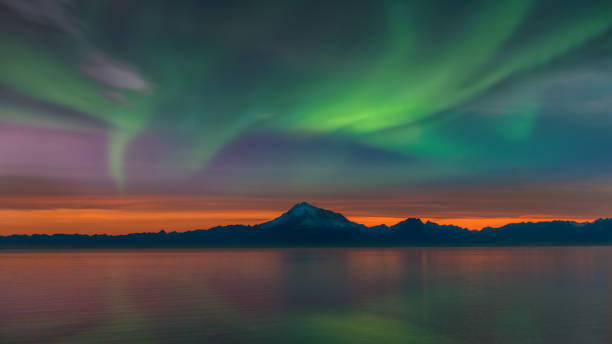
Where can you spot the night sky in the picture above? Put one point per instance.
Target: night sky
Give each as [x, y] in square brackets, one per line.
[121, 116]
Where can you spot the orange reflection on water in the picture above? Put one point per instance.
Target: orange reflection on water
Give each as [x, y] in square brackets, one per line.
[252, 295]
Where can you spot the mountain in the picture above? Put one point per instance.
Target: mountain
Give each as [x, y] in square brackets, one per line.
[415, 230]
[304, 215]
[305, 224]
[545, 232]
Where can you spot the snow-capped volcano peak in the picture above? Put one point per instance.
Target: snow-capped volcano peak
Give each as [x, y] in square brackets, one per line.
[305, 215]
[304, 209]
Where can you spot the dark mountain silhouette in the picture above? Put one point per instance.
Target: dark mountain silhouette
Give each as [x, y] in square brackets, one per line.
[306, 216]
[305, 224]
[598, 231]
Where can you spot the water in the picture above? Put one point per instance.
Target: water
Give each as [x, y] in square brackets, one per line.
[322, 295]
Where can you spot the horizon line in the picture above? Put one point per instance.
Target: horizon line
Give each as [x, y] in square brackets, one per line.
[447, 221]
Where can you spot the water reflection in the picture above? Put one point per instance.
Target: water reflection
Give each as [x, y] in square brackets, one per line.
[391, 295]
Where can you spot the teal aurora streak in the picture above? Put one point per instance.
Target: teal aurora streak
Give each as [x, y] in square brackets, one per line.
[459, 86]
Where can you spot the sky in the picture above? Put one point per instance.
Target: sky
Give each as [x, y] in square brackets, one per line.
[130, 116]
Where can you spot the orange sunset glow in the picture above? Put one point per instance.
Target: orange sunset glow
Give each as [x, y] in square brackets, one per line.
[122, 221]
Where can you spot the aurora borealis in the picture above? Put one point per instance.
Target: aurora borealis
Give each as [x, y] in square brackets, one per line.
[122, 116]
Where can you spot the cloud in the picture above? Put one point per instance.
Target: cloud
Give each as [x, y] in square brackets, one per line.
[96, 65]
[46, 12]
[111, 72]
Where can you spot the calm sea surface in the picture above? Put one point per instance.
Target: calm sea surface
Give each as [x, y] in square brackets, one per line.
[321, 295]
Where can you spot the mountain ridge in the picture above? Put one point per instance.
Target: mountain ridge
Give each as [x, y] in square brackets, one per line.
[305, 224]
[305, 215]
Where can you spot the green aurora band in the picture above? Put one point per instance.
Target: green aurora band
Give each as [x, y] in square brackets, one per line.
[376, 73]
